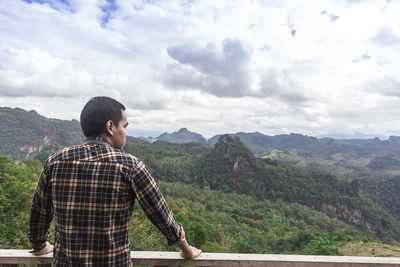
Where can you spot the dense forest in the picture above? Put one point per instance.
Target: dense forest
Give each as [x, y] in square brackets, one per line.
[211, 219]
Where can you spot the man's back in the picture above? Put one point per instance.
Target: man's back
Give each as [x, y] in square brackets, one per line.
[92, 188]
[92, 204]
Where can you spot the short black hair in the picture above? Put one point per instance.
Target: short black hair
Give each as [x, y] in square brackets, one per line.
[97, 112]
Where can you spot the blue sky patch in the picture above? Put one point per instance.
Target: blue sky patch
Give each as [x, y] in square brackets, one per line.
[385, 5]
[265, 47]
[56, 4]
[292, 29]
[108, 10]
[46, 1]
[364, 56]
[333, 17]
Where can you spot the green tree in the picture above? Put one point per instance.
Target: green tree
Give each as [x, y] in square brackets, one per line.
[196, 233]
[17, 184]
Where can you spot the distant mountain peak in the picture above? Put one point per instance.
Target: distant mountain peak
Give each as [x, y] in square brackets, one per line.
[232, 147]
[16, 109]
[183, 130]
[183, 135]
[229, 139]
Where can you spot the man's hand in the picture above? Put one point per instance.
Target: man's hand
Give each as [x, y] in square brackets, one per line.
[48, 248]
[187, 251]
[190, 253]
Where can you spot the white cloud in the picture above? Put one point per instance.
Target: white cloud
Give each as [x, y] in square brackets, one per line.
[386, 36]
[36, 73]
[211, 66]
[222, 71]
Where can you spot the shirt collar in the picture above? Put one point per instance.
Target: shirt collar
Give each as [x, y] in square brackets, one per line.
[98, 141]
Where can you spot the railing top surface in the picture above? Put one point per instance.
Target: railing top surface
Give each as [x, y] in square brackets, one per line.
[11, 256]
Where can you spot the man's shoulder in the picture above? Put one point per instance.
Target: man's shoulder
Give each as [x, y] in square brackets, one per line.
[95, 152]
[126, 158]
[62, 154]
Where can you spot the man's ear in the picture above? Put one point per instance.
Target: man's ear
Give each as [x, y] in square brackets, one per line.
[109, 128]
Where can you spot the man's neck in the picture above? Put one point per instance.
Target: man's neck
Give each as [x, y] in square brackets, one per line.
[98, 140]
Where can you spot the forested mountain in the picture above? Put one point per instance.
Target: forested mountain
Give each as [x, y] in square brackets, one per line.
[375, 163]
[23, 133]
[385, 191]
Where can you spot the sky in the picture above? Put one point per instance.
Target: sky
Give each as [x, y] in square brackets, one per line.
[276, 67]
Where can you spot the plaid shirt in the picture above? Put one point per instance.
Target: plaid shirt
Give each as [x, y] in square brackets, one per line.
[91, 190]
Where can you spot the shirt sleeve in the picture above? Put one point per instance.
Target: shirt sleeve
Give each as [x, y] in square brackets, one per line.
[154, 205]
[41, 213]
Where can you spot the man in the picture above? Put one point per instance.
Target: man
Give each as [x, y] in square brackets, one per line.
[91, 189]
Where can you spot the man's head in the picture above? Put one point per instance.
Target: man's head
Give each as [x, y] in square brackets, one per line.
[105, 117]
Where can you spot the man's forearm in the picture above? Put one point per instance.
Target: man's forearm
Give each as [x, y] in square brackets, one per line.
[154, 205]
[39, 229]
[41, 215]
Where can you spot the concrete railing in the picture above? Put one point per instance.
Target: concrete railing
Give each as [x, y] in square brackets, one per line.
[12, 257]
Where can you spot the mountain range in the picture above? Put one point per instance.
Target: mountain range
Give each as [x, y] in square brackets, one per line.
[25, 132]
[246, 163]
[261, 144]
